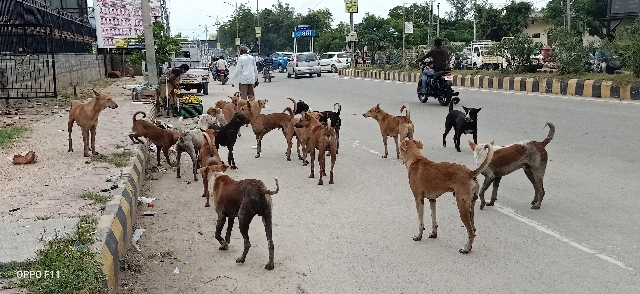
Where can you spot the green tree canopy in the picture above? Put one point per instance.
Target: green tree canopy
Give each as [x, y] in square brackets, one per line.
[165, 46]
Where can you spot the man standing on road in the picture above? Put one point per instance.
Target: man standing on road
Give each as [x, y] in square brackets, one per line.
[439, 58]
[245, 74]
[174, 84]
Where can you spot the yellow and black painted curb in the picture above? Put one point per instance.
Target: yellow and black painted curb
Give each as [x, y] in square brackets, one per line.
[570, 87]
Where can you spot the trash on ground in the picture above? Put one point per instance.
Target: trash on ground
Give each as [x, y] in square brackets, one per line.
[28, 158]
[82, 246]
[136, 236]
[150, 205]
[146, 200]
[14, 209]
[176, 271]
[124, 283]
[149, 213]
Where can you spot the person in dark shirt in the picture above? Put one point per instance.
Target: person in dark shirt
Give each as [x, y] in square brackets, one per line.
[268, 63]
[439, 58]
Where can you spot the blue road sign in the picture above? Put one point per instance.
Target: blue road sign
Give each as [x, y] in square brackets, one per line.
[303, 28]
[308, 33]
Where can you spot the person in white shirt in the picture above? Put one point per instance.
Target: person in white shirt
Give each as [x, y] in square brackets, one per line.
[245, 74]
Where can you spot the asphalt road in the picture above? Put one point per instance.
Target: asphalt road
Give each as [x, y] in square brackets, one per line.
[356, 236]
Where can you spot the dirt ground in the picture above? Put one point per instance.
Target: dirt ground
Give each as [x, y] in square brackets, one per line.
[51, 187]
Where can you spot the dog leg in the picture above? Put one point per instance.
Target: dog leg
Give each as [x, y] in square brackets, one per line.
[465, 216]
[485, 186]
[395, 139]
[321, 164]
[205, 183]
[267, 229]
[444, 136]
[537, 181]
[92, 132]
[244, 221]
[219, 226]
[70, 128]
[494, 192]
[227, 238]
[232, 160]
[420, 209]
[165, 150]
[194, 160]
[259, 145]
[386, 152]
[178, 155]
[337, 140]
[456, 140]
[289, 138]
[475, 137]
[434, 223]
[313, 161]
[158, 155]
[85, 140]
[333, 163]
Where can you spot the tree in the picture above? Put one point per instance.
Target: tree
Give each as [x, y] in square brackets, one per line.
[587, 13]
[495, 23]
[319, 20]
[516, 17]
[333, 39]
[631, 49]
[457, 30]
[374, 32]
[166, 46]
[460, 9]
[569, 52]
[418, 14]
[517, 50]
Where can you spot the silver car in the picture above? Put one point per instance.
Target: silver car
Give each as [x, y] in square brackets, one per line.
[303, 63]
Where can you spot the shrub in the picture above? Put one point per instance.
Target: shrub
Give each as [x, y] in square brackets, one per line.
[517, 50]
[569, 52]
[631, 51]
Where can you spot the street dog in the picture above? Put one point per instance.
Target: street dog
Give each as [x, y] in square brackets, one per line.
[336, 121]
[392, 126]
[531, 156]
[191, 141]
[208, 156]
[228, 134]
[301, 107]
[463, 123]
[86, 116]
[323, 138]
[262, 124]
[245, 199]
[430, 180]
[162, 138]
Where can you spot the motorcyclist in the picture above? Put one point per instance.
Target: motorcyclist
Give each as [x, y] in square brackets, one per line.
[268, 62]
[221, 64]
[439, 58]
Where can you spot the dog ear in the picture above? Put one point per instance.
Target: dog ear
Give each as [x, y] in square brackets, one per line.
[492, 143]
[378, 106]
[419, 144]
[479, 109]
[472, 145]
[403, 145]
[95, 92]
[465, 109]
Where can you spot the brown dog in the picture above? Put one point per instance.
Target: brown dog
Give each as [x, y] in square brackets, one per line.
[256, 107]
[323, 138]
[162, 138]
[392, 126]
[531, 156]
[86, 116]
[245, 199]
[430, 180]
[265, 123]
[208, 156]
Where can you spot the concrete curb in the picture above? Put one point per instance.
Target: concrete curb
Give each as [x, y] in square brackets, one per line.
[571, 87]
[115, 226]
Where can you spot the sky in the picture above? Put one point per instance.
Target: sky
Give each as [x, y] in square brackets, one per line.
[190, 16]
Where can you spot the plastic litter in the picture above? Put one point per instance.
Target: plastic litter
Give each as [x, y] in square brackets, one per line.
[124, 283]
[82, 246]
[136, 236]
[176, 271]
[150, 205]
[14, 209]
[149, 213]
[146, 200]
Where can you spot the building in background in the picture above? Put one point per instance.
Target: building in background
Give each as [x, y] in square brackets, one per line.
[118, 21]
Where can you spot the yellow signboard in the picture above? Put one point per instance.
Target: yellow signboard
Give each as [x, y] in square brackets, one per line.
[351, 6]
[258, 32]
[237, 41]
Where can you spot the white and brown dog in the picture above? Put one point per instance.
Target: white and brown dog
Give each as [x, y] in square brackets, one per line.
[528, 155]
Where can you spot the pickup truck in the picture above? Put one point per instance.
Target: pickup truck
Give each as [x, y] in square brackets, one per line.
[196, 78]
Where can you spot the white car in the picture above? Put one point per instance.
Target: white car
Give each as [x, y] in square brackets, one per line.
[333, 61]
[303, 63]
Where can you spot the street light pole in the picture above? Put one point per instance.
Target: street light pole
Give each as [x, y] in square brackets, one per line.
[258, 16]
[404, 28]
[474, 20]
[149, 44]
[438, 29]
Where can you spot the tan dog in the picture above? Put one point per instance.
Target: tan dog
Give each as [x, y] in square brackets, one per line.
[430, 180]
[323, 138]
[262, 124]
[256, 107]
[244, 199]
[86, 116]
[392, 126]
[162, 138]
[531, 156]
[302, 136]
[208, 156]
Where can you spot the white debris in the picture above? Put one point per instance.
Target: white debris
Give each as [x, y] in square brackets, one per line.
[136, 236]
[146, 200]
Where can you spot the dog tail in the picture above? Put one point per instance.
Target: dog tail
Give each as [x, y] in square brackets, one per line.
[75, 92]
[450, 106]
[144, 115]
[405, 106]
[291, 113]
[208, 139]
[484, 164]
[295, 105]
[339, 107]
[552, 131]
[277, 188]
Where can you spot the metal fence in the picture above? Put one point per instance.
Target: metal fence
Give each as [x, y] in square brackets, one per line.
[27, 63]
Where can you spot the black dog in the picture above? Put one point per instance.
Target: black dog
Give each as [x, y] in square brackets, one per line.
[301, 107]
[229, 134]
[463, 123]
[336, 122]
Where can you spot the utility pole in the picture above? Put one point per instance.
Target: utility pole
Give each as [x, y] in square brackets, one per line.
[474, 21]
[438, 29]
[149, 44]
[258, 16]
[353, 45]
[569, 14]
[404, 28]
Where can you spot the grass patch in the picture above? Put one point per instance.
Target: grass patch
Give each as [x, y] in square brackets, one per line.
[97, 198]
[43, 217]
[130, 265]
[119, 146]
[8, 135]
[75, 270]
[120, 159]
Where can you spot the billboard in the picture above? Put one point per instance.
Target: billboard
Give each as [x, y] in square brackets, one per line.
[624, 6]
[120, 20]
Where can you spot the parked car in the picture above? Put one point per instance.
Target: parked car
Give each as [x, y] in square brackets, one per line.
[280, 60]
[196, 78]
[333, 61]
[303, 63]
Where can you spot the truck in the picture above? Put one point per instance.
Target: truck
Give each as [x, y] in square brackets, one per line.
[198, 75]
[479, 58]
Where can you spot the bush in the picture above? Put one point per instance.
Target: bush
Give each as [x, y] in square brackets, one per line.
[517, 50]
[631, 51]
[569, 52]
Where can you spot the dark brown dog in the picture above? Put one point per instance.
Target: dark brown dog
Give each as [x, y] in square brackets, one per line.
[392, 126]
[162, 138]
[86, 116]
[265, 123]
[531, 156]
[323, 138]
[245, 199]
[430, 180]
[208, 156]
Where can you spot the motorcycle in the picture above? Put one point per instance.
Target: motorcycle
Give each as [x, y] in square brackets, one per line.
[266, 73]
[222, 76]
[439, 87]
